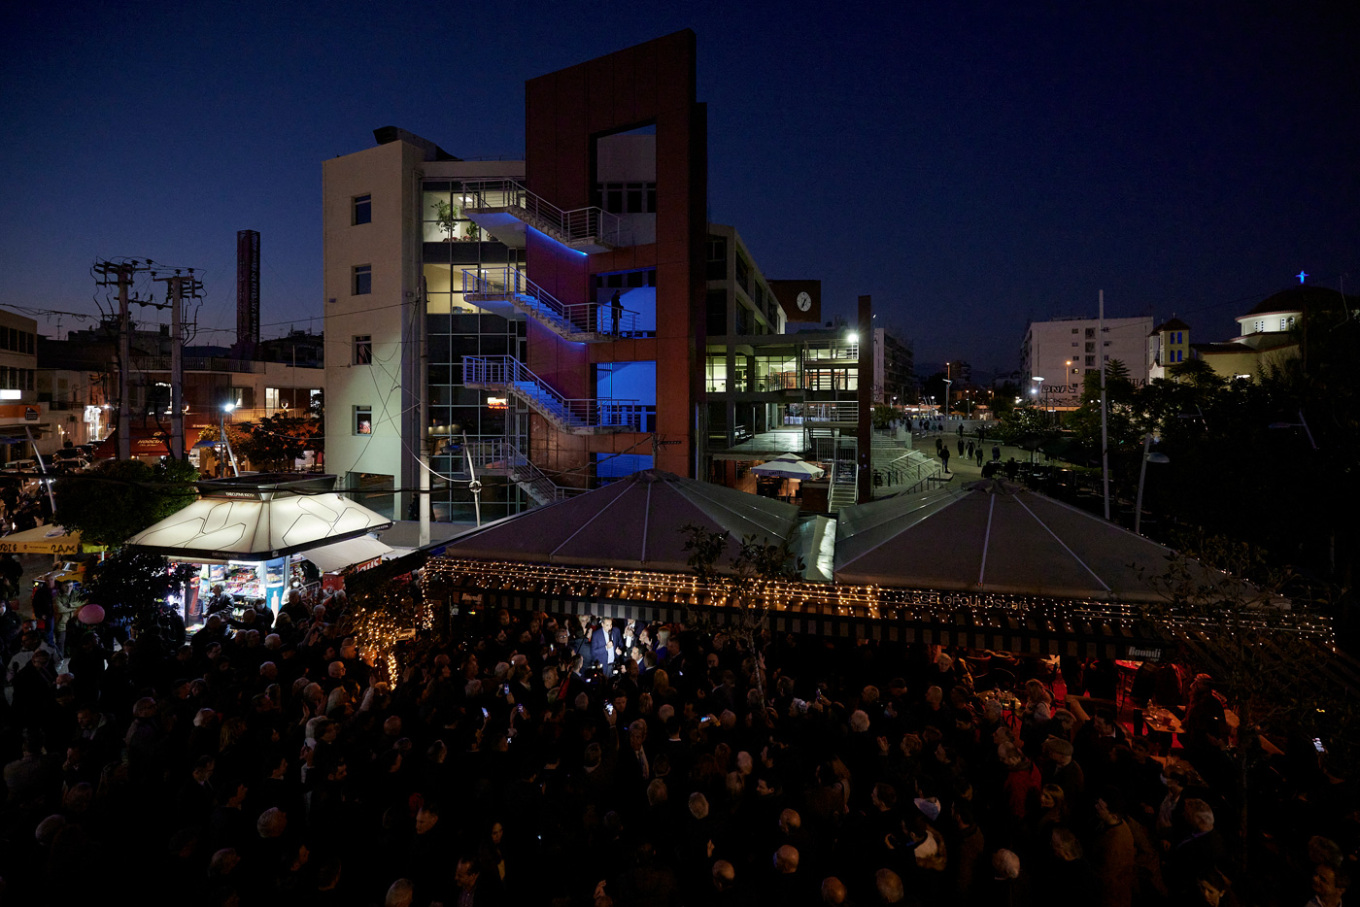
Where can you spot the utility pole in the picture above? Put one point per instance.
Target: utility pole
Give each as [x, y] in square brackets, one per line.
[121, 274]
[177, 289]
[1104, 406]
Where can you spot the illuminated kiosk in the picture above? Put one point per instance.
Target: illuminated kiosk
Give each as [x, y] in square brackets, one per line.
[248, 532]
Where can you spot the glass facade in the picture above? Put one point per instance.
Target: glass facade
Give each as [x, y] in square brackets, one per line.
[455, 329]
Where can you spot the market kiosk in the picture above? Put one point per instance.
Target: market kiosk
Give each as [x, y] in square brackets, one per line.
[252, 533]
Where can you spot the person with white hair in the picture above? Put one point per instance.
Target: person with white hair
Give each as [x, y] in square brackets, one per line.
[1202, 849]
[859, 721]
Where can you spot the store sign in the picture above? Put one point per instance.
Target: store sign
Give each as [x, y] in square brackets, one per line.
[1138, 654]
[496, 403]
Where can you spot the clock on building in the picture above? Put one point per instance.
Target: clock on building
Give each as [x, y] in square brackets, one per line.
[804, 302]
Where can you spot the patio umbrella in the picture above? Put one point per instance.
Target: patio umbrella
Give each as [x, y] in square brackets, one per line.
[789, 466]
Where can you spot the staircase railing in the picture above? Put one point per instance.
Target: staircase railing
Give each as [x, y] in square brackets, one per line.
[500, 454]
[586, 317]
[574, 225]
[518, 379]
[830, 412]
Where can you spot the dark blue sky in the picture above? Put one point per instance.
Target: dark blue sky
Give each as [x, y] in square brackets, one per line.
[970, 165]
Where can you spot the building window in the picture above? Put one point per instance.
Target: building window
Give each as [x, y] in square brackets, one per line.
[363, 420]
[363, 280]
[1074, 330]
[626, 198]
[1090, 332]
[363, 209]
[363, 349]
[1090, 360]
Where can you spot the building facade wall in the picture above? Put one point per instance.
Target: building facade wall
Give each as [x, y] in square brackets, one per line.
[1063, 351]
[566, 113]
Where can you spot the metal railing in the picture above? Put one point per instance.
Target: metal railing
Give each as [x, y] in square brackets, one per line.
[830, 412]
[575, 225]
[571, 413]
[500, 454]
[587, 317]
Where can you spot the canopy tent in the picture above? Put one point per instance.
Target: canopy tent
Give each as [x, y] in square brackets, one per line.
[1000, 538]
[259, 517]
[634, 523]
[337, 556]
[789, 466]
[52, 540]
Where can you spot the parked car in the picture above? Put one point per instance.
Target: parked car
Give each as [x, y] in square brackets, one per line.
[21, 467]
[68, 572]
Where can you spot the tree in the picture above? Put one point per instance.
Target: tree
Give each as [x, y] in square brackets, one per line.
[744, 586]
[132, 586]
[1267, 653]
[120, 498]
[276, 442]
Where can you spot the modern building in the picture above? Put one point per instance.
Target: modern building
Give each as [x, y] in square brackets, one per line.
[1168, 344]
[23, 413]
[548, 325]
[899, 370]
[1059, 353]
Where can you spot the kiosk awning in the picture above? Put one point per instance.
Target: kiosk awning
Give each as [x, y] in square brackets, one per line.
[336, 557]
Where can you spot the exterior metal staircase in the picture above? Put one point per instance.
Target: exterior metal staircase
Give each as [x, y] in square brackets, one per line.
[577, 416]
[589, 322]
[844, 476]
[504, 208]
[500, 457]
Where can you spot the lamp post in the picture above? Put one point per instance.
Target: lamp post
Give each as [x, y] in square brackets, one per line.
[1142, 474]
[226, 408]
[947, 382]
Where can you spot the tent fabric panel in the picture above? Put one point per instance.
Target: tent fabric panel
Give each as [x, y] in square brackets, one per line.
[1023, 555]
[925, 557]
[1113, 553]
[892, 514]
[631, 523]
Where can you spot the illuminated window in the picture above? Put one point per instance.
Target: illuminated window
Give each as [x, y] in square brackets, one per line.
[363, 209]
[363, 420]
[363, 349]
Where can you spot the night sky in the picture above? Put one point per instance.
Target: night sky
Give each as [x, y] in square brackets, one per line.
[970, 165]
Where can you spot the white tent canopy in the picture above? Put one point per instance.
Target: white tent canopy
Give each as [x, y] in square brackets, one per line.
[789, 466]
[635, 523]
[994, 537]
[257, 518]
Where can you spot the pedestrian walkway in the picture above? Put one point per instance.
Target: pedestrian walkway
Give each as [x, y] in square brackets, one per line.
[963, 469]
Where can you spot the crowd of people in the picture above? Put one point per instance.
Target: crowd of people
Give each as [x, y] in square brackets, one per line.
[527, 759]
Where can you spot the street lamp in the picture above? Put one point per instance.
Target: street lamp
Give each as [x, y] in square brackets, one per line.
[1142, 474]
[1302, 423]
[226, 408]
[947, 382]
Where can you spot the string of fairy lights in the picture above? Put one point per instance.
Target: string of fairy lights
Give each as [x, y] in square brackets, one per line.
[385, 617]
[983, 611]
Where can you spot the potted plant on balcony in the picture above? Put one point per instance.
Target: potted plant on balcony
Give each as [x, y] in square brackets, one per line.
[445, 215]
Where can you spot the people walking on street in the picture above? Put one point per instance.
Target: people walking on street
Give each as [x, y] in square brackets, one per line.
[944, 457]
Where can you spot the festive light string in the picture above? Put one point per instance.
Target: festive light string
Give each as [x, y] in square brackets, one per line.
[995, 611]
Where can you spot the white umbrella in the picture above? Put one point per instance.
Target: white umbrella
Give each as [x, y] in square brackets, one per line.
[789, 466]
